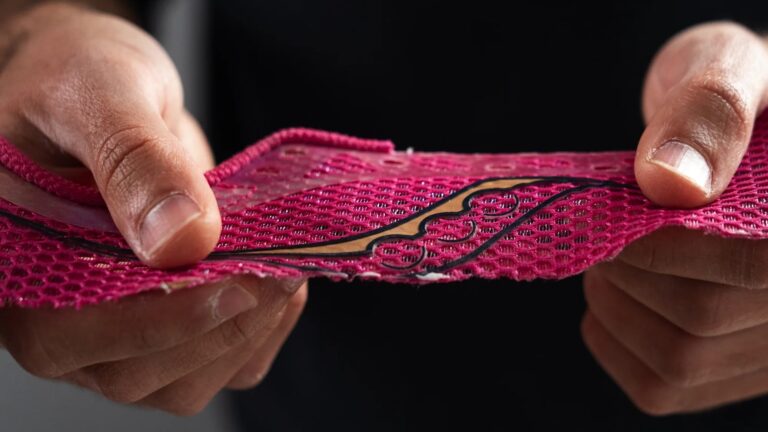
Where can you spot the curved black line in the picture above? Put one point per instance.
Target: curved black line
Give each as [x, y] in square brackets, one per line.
[436, 204]
[503, 232]
[422, 226]
[472, 232]
[419, 260]
[82, 243]
[127, 254]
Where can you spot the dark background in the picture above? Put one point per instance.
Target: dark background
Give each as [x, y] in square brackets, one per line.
[465, 77]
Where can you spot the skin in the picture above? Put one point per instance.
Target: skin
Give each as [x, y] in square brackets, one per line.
[678, 320]
[96, 99]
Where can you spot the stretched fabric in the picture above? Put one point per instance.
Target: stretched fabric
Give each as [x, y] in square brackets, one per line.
[318, 204]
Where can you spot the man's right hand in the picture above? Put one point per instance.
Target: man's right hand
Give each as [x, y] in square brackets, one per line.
[79, 88]
[96, 99]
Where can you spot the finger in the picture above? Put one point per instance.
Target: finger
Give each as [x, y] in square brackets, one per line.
[156, 194]
[690, 254]
[130, 380]
[111, 114]
[679, 358]
[702, 95]
[653, 395]
[700, 308]
[253, 372]
[191, 394]
[53, 342]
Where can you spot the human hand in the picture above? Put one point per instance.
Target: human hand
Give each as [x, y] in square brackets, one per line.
[172, 352]
[96, 99]
[680, 319]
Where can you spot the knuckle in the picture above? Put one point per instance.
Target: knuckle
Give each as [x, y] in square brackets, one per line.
[686, 364]
[656, 399]
[642, 254]
[148, 339]
[117, 385]
[36, 357]
[725, 99]
[270, 325]
[708, 316]
[249, 379]
[186, 405]
[39, 366]
[233, 332]
[119, 155]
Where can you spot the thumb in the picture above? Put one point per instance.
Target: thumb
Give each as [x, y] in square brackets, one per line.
[106, 93]
[701, 96]
[152, 183]
[157, 194]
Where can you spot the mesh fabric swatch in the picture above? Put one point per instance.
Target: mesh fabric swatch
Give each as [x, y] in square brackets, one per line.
[311, 203]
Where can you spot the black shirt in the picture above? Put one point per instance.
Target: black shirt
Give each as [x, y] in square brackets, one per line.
[465, 77]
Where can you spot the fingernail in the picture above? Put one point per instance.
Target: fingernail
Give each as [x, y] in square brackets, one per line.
[686, 162]
[231, 301]
[164, 220]
[289, 285]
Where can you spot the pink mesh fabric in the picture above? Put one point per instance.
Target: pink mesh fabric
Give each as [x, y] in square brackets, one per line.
[311, 203]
